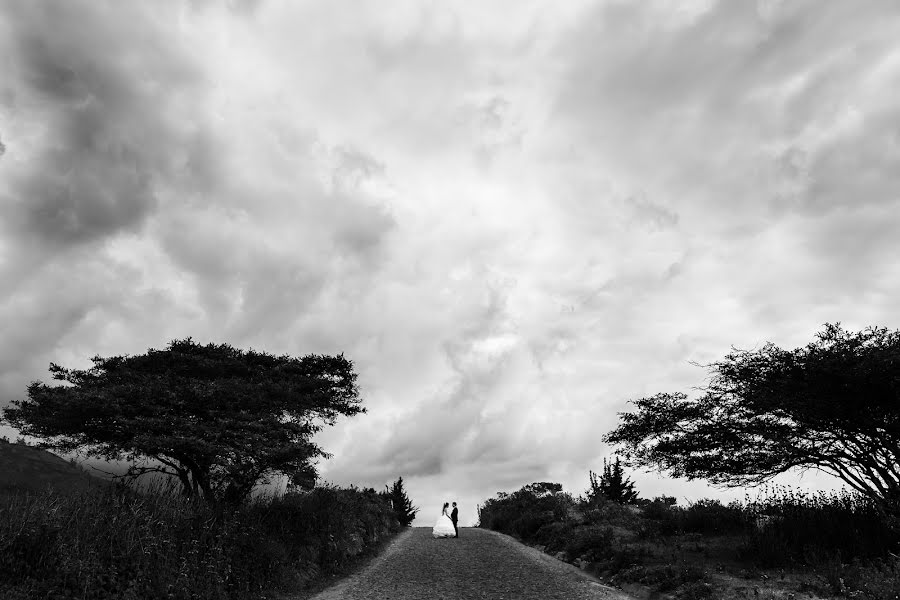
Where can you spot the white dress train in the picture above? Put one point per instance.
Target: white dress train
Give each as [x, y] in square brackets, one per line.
[444, 526]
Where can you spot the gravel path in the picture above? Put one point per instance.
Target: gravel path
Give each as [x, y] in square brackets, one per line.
[479, 565]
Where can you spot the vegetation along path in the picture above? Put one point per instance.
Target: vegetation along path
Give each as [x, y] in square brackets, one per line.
[480, 564]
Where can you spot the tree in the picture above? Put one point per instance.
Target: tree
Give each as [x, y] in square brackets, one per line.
[612, 484]
[402, 505]
[542, 488]
[833, 405]
[217, 418]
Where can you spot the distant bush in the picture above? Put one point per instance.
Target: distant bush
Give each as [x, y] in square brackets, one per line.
[658, 508]
[524, 512]
[120, 544]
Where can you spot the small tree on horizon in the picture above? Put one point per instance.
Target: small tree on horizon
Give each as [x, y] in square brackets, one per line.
[217, 419]
[400, 502]
[612, 484]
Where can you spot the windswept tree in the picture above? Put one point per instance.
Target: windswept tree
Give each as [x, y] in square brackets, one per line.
[612, 484]
[833, 405]
[402, 505]
[219, 419]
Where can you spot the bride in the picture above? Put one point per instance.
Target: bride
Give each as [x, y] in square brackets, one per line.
[444, 526]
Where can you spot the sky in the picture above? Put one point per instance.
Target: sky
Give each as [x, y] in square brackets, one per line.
[512, 216]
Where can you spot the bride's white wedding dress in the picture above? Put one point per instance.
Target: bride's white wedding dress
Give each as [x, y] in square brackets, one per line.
[444, 526]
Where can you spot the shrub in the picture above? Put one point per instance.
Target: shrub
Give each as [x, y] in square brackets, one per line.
[524, 512]
[607, 512]
[119, 544]
[554, 536]
[623, 557]
[666, 518]
[593, 543]
[658, 508]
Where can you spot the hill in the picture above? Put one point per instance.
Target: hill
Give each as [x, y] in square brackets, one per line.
[24, 468]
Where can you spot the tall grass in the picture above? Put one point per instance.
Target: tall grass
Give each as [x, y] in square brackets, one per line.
[706, 517]
[802, 528]
[157, 544]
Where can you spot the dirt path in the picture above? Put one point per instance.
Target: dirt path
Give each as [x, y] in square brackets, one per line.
[479, 565]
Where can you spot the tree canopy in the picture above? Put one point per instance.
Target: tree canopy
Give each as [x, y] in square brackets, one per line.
[833, 405]
[542, 488]
[217, 418]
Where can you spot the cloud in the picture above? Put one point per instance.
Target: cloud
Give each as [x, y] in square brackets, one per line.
[736, 92]
[103, 141]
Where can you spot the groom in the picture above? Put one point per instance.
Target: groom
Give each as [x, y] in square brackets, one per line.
[454, 516]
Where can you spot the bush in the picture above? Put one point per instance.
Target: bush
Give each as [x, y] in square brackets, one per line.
[666, 519]
[119, 544]
[524, 512]
[606, 512]
[593, 543]
[554, 536]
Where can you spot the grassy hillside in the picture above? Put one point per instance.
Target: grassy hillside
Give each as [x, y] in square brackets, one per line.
[24, 468]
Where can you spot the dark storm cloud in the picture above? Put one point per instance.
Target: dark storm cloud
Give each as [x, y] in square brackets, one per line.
[101, 78]
[91, 92]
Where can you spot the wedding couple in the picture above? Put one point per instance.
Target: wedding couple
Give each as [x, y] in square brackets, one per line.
[446, 523]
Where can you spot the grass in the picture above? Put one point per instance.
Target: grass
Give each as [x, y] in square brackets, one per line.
[102, 542]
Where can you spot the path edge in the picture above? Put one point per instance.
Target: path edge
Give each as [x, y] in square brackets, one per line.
[547, 559]
[336, 591]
